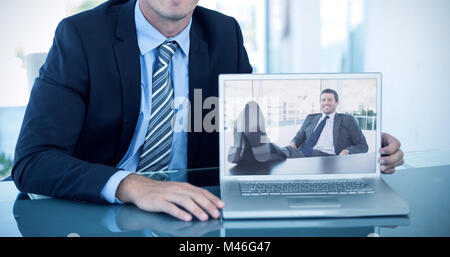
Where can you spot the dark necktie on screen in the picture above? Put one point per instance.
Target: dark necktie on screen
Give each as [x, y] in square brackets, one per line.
[155, 155]
[312, 140]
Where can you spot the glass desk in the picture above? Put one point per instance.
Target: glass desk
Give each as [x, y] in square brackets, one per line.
[425, 189]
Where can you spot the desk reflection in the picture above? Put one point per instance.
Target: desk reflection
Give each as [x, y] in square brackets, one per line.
[55, 217]
[327, 227]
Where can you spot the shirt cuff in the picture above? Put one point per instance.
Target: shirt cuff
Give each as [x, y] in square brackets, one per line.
[110, 188]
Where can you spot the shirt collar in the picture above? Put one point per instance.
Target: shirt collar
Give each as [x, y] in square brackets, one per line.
[330, 115]
[150, 38]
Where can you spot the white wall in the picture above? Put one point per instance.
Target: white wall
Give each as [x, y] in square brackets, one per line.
[300, 50]
[409, 42]
[27, 26]
[305, 48]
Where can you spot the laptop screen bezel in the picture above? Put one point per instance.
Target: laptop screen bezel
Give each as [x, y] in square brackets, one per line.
[299, 76]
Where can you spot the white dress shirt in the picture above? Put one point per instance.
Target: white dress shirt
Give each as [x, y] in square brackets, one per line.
[325, 143]
[149, 39]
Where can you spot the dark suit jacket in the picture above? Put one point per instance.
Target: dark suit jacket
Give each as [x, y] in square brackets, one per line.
[84, 105]
[346, 133]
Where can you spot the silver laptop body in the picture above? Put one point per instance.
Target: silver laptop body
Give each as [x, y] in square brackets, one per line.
[330, 186]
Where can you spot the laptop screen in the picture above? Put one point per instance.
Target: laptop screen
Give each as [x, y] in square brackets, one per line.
[299, 126]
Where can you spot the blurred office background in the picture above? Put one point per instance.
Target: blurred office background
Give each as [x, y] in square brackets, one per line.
[407, 40]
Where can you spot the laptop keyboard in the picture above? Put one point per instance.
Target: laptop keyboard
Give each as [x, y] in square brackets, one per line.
[330, 187]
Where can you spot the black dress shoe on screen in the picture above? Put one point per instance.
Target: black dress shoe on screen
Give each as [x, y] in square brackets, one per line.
[250, 134]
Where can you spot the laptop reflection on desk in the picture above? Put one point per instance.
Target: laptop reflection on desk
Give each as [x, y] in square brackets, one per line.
[318, 227]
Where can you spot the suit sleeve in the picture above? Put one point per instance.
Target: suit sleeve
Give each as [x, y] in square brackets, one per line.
[243, 61]
[53, 120]
[359, 144]
[300, 137]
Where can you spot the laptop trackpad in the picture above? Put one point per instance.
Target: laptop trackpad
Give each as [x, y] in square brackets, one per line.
[313, 202]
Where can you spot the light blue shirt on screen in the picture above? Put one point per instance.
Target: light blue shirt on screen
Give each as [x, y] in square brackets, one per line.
[149, 40]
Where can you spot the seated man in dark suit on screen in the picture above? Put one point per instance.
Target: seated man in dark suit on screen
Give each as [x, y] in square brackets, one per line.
[322, 134]
[328, 133]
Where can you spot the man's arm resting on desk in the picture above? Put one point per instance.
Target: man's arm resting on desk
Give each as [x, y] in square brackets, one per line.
[156, 196]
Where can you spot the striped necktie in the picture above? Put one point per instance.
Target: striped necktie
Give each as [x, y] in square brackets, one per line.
[155, 154]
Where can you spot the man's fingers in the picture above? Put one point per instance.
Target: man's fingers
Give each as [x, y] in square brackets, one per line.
[390, 144]
[392, 159]
[392, 155]
[386, 139]
[180, 200]
[188, 204]
[391, 148]
[390, 168]
[386, 170]
[161, 204]
[176, 212]
[205, 203]
[217, 202]
[388, 163]
[205, 199]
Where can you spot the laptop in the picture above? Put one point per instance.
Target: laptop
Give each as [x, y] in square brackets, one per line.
[318, 144]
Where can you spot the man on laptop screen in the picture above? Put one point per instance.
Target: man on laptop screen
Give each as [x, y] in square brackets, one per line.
[350, 139]
[335, 117]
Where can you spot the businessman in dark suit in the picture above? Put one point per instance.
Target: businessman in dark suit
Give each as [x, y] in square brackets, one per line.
[329, 133]
[87, 119]
[87, 124]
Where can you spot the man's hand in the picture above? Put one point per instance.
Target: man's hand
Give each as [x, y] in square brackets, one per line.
[344, 152]
[157, 196]
[391, 154]
[293, 145]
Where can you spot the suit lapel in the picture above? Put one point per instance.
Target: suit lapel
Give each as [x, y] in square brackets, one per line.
[314, 124]
[198, 79]
[336, 126]
[126, 52]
